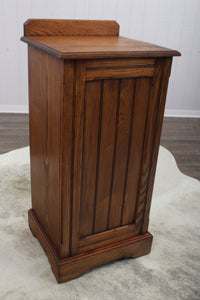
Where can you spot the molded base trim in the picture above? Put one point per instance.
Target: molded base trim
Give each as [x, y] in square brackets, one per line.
[74, 266]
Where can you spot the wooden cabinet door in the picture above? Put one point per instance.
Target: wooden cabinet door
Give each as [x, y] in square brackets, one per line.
[116, 113]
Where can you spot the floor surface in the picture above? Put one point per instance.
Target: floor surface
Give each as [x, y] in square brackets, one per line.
[169, 272]
[181, 136]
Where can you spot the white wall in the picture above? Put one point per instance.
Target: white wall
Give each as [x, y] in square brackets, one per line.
[171, 23]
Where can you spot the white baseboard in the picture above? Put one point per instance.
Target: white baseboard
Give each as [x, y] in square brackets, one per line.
[168, 112]
[14, 109]
[182, 113]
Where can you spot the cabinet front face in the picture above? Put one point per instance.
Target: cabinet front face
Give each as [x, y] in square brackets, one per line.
[115, 115]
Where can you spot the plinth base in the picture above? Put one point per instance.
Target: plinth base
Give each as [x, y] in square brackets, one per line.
[74, 266]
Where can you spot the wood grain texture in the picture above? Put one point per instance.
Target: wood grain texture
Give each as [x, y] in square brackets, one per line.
[84, 47]
[119, 73]
[92, 201]
[91, 126]
[122, 144]
[142, 87]
[120, 63]
[66, 159]
[78, 110]
[117, 199]
[52, 27]
[106, 153]
[103, 238]
[152, 138]
[73, 267]
[94, 132]
[111, 163]
[150, 124]
[156, 142]
[45, 96]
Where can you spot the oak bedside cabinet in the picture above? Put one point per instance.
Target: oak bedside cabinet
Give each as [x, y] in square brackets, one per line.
[96, 103]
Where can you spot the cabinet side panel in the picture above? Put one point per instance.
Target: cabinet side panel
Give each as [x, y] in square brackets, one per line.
[45, 96]
[152, 136]
[166, 69]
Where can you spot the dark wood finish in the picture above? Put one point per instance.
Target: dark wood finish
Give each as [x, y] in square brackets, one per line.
[121, 154]
[83, 47]
[140, 110]
[119, 63]
[66, 165]
[94, 137]
[111, 203]
[77, 154]
[106, 150]
[156, 141]
[93, 74]
[45, 98]
[48, 27]
[92, 115]
[74, 266]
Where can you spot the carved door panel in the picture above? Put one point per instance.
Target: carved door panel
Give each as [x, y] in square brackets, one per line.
[115, 117]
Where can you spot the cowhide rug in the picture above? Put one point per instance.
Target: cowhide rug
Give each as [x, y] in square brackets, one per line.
[171, 271]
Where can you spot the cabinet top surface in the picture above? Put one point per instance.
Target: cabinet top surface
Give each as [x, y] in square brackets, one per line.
[75, 47]
[82, 39]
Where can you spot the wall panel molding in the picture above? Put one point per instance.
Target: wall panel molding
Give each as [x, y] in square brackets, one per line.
[168, 112]
[182, 113]
[14, 109]
[173, 24]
